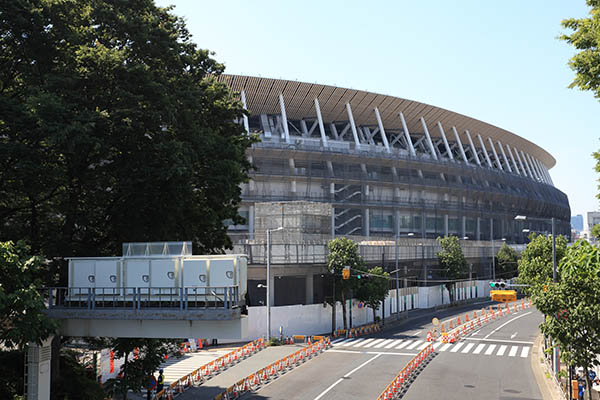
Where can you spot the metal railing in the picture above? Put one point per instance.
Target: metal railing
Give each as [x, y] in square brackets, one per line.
[139, 298]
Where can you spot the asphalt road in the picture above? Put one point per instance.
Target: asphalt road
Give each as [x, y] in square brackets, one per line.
[492, 363]
[361, 368]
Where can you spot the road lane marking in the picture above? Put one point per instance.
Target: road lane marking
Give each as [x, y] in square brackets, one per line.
[415, 344]
[338, 343]
[513, 351]
[507, 322]
[500, 341]
[436, 345]
[501, 350]
[353, 342]
[421, 347]
[416, 333]
[386, 341]
[404, 344]
[467, 348]
[513, 335]
[383, 353]
[456, 347]
[376, 341]
[363, 343]
[525, 352]
[394, 343]
[490, 349]
[339, 340]
[479, 348]
[445, 347]
[345, 376]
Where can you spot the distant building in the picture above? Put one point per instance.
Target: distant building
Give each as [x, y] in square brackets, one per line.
[593, 218]
[577, 222]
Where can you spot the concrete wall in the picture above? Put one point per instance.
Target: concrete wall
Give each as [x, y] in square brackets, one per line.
[315, 319]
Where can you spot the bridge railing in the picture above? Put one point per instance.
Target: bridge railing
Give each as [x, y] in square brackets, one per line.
[138, 298]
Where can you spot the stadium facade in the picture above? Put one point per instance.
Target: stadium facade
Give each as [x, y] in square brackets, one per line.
[391, 167]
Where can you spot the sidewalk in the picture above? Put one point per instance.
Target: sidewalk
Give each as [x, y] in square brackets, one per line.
[221, 382]
[548, 386]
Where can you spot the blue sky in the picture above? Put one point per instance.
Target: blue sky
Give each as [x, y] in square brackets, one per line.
[496, 61]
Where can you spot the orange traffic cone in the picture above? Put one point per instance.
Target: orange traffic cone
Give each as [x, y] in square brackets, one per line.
[458, 321]
[429, 337]
[466, 317]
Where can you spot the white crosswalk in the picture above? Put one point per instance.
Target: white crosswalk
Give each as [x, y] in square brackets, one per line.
[414, 344]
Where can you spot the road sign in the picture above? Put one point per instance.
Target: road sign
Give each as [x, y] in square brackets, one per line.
[435, 321]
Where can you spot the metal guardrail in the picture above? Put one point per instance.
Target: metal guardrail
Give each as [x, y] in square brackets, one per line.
[139, 298]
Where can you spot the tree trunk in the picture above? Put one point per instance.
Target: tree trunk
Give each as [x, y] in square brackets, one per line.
[344, 310]
[588, 383]
[125, 389]
[374, 314]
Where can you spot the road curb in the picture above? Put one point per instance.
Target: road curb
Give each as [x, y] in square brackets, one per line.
[548, 387]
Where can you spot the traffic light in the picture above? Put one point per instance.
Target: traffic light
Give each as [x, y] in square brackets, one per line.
[346, 272]
[497, 285]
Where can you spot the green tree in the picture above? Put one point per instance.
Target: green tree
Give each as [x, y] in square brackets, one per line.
[136, 371]
[21, 301]
[373, 288]
[535, 266]
[596, 231]
[585, 37]
[507, 261]
[572, 308]
[344, 252]
[452, 262]
[113, 129]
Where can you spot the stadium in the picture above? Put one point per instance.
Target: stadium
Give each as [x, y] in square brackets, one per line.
[393, 173]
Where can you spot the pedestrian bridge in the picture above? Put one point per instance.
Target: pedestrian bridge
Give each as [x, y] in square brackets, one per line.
[157, 312]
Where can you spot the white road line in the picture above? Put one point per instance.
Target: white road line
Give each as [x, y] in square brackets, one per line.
[381, 353]
[345, 376]
[404, 344]
[478, 349]
[456, 347]
[352, 342]
[416, 333]
[436, 345]
[373, 343]
[500, 340]
[513, 335]
[415, 344]
[490, 349]
[513, 351]
[386, 341]
[445, 347]
[525, 352]
[501, 350]
[421, 347]
[363, 343]
[338, 343]
[394, 343]
[507, 322]
[467, 348]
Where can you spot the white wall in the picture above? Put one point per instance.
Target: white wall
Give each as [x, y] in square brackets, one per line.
[315, 319]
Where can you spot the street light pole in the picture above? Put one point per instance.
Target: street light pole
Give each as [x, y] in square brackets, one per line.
[269, 279]
[493, 249]
[397, 279]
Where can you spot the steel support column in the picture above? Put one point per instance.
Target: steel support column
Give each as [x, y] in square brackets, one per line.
[485, 153]
[321, 126]
[411, 148]
[381, 130]
[504, 156]
[245, 117]
[513, 159]
[473, 149]
[460, 146]
[446, 145]
[495, 154]
[521, 162]
[353, 126]
[429, 142]
[286, 130]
